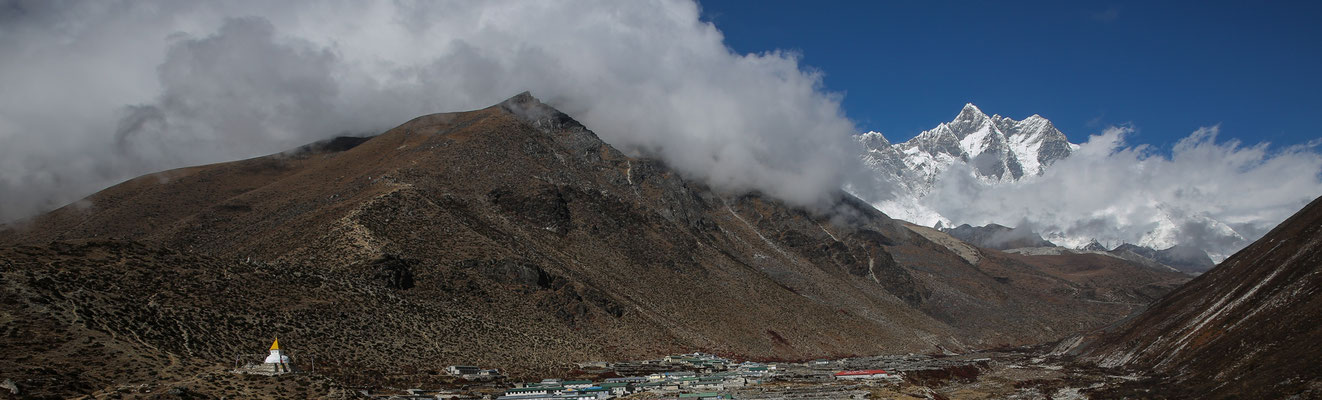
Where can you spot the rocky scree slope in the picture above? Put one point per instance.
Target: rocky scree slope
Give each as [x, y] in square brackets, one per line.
[1247, 328]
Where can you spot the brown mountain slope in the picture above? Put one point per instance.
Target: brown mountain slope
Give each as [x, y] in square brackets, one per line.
[1103, 278]
[511, 236]
[1248, 328]
[114, 319]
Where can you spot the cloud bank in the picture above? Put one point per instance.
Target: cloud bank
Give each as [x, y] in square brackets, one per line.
[1217, 196]
[99, 92]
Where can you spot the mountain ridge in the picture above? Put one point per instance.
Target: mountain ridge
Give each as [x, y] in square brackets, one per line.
[469, 227]
[995, 151]
[998, 149]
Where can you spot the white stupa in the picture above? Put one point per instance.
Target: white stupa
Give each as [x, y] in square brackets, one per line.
[276, 363]
[277, 356]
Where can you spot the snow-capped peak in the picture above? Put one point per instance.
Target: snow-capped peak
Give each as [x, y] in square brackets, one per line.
[994, 149]
[971, 110]
[874, 140]
[997, 150]
[970, 121]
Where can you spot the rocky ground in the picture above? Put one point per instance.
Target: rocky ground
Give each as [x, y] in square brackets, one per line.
[1020, 374]
[509, 236]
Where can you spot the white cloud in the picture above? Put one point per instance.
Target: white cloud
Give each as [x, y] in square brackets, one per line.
[1216, 196]
[98, 92]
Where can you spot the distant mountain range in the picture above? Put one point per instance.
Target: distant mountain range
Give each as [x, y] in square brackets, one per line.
[993, 236]
[1023, 241]
[998, 150]
[1183, 258]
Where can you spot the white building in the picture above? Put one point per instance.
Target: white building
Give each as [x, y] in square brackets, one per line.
[458, 370]
[277, 362]
[277, 355]
[862, 374]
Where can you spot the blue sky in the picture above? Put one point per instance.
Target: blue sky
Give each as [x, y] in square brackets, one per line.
[1165, 68]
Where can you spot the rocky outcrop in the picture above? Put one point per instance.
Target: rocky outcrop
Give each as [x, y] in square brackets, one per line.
[1182, 258]
[993, 236]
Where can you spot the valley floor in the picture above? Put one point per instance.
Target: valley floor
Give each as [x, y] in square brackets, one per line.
[988, 375]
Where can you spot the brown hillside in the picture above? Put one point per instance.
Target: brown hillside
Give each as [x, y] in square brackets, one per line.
[1248, 328]
[510, 237]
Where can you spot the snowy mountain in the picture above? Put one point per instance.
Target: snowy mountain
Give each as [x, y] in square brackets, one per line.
[999, 150]
[978, 149]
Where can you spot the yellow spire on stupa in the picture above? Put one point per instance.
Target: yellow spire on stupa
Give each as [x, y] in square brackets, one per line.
[276, 344]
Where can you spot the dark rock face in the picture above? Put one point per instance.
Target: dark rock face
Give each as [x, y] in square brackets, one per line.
[515, 272]
[890, 275]
[1186, 258]
[936, 141]
[1245, 329]
[993, 236]
[1093, 246]
[333, 145]
[548, 207]
[396, 272]
[1054, 148]
[997, 163]
[1183, 258]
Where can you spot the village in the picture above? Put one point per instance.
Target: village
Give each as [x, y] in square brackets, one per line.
[694, 376]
